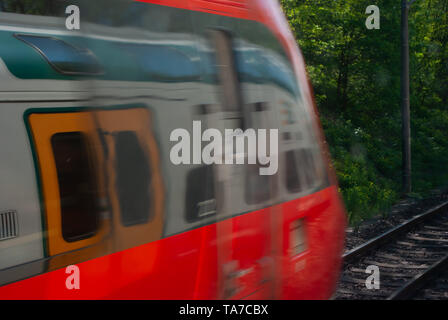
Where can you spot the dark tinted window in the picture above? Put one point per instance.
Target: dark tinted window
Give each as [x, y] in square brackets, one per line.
[200, 196]
[293, 183]
[163, 63]
[63, 57]
[77, 186]
[133, 179]
[300, 170]
[258, 187]
[310, 167]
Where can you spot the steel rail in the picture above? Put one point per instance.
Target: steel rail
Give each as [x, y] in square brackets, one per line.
[411, 287]
[383, 238]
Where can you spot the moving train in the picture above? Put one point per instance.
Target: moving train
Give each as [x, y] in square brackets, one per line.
[86, 177]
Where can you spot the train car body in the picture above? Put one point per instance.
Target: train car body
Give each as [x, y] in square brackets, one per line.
[86, 177]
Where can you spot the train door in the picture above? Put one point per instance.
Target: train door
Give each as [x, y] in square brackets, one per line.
[69, 157]
[244, 240]
[135, 190]
[134, 183]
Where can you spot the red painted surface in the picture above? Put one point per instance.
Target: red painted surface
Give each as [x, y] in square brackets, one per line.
[231, 8]
[185, 266]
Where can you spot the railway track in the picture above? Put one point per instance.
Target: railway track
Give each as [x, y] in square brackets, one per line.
[435, 289]
[412, 260]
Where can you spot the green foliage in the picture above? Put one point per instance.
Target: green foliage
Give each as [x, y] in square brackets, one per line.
[364, 190]
[356, 77]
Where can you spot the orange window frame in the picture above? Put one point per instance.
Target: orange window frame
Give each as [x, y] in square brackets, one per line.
[43, 126]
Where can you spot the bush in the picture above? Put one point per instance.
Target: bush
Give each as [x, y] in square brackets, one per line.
[364, 189]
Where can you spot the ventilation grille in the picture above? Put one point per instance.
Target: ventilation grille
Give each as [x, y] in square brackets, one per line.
[8, 225]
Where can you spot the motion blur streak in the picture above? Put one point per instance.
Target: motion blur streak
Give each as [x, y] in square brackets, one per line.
[86, 123]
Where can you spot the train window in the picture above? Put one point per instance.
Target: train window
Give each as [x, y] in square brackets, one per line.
[77, 186]
[293, 183]
[227, 70]
[164, 63]
[200, 196]
[62, 56]
[258, 188]
[133, 179]
[300, 170]
[309, 164]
